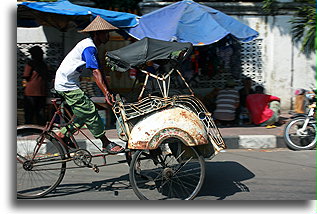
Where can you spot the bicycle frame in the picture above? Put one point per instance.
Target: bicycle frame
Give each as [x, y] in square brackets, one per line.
[69, 153]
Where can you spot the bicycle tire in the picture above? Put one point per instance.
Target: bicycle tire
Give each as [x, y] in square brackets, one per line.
[179, 175]
[35, 179]
[296, 141]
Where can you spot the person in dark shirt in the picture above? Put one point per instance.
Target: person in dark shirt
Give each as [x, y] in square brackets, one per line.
[36, 76]
[242, 112]
[245, 91]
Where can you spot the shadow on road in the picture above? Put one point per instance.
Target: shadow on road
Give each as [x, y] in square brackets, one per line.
[224, 179]
[113, 184]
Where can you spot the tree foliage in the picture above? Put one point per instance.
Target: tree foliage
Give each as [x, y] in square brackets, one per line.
[304, 28]
[303, 24]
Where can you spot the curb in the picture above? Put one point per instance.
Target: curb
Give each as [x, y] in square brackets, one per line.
[254, 142]
[232, 142]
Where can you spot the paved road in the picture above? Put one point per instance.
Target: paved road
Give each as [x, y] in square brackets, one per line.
[276, 174]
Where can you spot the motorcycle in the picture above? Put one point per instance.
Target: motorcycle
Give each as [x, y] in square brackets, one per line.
[300, 131]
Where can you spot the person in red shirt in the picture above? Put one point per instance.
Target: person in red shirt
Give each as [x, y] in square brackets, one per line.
[264, 109]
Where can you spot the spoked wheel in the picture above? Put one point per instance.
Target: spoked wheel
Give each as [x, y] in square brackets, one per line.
[40, 165]
[171, 172]
[297, 138]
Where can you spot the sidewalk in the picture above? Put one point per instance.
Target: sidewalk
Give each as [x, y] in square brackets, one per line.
[240, 137]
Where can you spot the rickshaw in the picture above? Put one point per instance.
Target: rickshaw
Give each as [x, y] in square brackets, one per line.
[168, 137]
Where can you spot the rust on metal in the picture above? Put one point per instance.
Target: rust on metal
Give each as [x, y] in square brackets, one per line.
[139, 145]
[158, 118]
[174, 122]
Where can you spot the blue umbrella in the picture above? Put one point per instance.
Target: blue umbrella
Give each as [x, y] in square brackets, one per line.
[64, 7]
[188, 21]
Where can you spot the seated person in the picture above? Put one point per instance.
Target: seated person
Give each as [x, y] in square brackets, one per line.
[242, 111]
[226, 104]
[264, 109]
[245, 91]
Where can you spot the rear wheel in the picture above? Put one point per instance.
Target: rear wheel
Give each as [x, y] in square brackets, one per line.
[40, 165]
[174, 171]
[297, 138]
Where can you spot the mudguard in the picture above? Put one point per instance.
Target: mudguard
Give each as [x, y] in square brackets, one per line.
[176, 122]
[35, 128]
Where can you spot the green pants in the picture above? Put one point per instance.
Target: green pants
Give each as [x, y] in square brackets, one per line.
[85, 111]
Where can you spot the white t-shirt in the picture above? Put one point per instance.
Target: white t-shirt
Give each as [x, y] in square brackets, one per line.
[68, 73]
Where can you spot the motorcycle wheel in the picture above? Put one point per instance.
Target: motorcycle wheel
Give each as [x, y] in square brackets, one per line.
[297, 139]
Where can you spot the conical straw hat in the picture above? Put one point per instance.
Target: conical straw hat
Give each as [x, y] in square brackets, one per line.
[98, 24]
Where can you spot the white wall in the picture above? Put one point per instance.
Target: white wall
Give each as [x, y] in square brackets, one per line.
[279, 59]
[285, 68]
[37, 35]
[49, 34]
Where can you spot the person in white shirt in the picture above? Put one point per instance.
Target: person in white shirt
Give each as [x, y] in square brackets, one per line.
[67, 83]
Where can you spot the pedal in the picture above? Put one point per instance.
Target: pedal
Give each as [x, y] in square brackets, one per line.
[95, 168]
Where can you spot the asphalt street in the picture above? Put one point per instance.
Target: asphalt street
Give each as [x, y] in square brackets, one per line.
[244, 174]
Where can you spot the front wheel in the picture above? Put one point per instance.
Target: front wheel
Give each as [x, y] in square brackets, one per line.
[297, 138]
[40, 163]
[174, 171]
